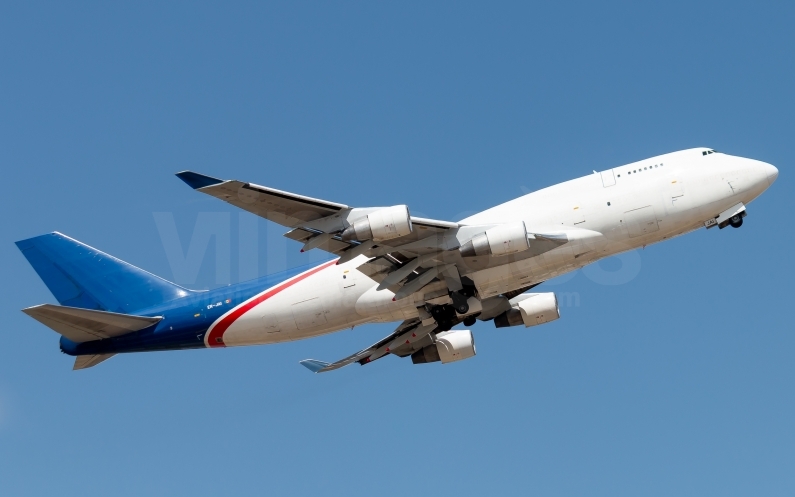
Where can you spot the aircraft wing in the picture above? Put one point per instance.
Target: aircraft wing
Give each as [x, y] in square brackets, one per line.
[287, 209]
[316, 223]
[408, 338]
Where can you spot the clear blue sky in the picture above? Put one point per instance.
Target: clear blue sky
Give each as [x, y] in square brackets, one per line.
[677, 382]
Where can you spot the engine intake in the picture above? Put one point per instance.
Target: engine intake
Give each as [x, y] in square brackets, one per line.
[534, 309]
[383, 224]
[499, 240]
[450, 346]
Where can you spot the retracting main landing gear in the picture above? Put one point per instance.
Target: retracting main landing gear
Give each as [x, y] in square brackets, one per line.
[444, 315]
[459, 302]
[458, 292]
[449, 314]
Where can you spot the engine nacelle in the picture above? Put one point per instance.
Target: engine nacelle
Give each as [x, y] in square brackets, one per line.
[450, 346]
[383, 224]
[499, 240]
[535, 309]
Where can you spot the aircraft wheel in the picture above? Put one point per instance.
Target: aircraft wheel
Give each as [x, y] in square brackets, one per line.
[460, 303]
[736, 221]
[469, 321]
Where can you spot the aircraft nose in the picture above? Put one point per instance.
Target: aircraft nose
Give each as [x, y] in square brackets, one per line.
[772, 173]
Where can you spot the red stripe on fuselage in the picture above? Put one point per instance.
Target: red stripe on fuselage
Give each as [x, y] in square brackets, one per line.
[215, 337]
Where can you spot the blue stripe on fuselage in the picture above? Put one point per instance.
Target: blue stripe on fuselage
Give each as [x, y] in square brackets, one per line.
[185, 320]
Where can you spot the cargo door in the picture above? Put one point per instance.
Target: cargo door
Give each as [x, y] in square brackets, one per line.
[309, 314]
[641, 221]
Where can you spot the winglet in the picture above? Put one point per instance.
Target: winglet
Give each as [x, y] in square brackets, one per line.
[196, 180]
[313, 364]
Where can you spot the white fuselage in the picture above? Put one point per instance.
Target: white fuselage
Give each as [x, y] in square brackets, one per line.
[602, 214]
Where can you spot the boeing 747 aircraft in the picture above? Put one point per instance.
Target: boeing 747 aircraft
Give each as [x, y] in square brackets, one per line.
[427, 274]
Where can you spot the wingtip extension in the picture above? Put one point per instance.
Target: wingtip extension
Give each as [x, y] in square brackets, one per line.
[196, 180]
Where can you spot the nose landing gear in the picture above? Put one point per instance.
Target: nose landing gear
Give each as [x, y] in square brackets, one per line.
[733, 216]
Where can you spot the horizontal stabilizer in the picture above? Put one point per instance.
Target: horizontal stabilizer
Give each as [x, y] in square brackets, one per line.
[314, 365]
[89, 361]
[85, 325]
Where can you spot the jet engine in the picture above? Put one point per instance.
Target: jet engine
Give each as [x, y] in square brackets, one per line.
[383, 224]
[534, 309]
[450, 346]
[499, 240]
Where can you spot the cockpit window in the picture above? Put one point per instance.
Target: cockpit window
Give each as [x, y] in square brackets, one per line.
[706, 152]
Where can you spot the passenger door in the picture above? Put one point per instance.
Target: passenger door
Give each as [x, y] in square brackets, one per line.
[577, 214]
[608, 178]
[675, 192]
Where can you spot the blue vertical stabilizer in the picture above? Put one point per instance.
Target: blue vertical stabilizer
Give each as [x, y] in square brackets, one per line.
[82, 276]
